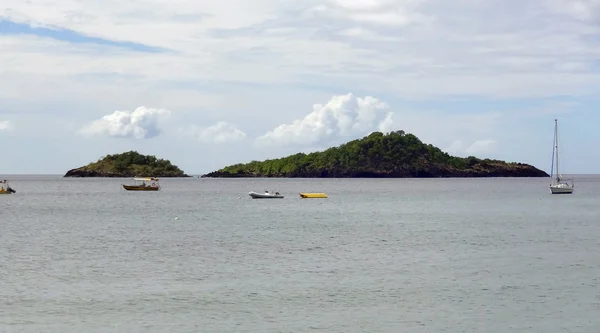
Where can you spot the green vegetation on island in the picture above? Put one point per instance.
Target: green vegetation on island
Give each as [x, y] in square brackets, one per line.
[378, 155]
[129, 164]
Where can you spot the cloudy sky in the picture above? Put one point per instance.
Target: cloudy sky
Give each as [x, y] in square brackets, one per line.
[211, 83]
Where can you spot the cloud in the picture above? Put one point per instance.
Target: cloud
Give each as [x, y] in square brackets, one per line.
[343, 116]
[375, 12]
[584, 10]
[481, 146]
[221, 132]
[347, 117]
[141, 123]
[5, 125]
[477, 147]
[411, 48]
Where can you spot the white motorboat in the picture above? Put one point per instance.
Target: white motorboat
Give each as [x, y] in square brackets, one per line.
[266, 195]
[558, 185]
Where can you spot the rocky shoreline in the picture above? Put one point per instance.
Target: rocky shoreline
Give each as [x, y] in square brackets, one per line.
[82, 173]
[517, 170]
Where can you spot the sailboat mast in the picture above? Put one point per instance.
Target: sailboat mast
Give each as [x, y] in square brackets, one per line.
[556, 147]
[553, 152]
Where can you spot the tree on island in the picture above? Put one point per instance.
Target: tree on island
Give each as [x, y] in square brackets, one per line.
[396, 154]
[128, 164]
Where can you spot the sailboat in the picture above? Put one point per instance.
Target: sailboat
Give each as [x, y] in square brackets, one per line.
[558, 185]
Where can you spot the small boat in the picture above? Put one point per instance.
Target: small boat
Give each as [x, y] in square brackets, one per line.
[266, 195]
[139, 184]
[5, 187]
[313, 195]
[559, 185]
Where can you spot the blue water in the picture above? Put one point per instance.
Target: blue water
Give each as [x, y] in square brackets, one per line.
[399, 255]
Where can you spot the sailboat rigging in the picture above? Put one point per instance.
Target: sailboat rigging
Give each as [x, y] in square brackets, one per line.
[558, 185]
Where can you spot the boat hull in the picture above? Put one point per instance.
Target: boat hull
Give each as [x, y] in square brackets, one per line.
[255, 195]
[558, 189]
[313, 195]
[140, 188]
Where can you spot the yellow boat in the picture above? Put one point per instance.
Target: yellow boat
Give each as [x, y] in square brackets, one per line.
[152, 185]
[313, 195]
[5, 187]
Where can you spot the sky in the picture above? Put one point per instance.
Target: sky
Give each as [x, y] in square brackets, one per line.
[212, 83]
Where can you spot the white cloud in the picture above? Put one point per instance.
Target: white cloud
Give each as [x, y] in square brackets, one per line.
[481, 146]
[387, 125]
[455, 148]
[584, 10]
[347, 117]
[5, 125]
[410, 48]
[477, 147]
[343, 116]
[141, 123]
[393, 13]
[221, 132]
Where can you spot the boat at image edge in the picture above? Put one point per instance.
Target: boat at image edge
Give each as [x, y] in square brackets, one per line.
[139, 184]
[558, 185]
[266, 195]
[5, 187]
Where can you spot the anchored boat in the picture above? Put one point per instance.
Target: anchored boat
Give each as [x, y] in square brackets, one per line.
[313, 195]
[266, 195]
[143, 184]
[558, 185]
[5, 187]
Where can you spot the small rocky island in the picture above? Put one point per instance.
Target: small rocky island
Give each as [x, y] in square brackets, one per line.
[378, 155]
[129, 164]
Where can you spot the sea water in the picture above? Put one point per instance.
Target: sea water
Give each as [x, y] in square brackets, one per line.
[379, 255]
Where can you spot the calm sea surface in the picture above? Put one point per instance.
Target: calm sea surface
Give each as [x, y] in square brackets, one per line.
[400, 255]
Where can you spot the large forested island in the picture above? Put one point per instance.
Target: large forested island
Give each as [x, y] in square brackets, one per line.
[393, 155]
[129, 164]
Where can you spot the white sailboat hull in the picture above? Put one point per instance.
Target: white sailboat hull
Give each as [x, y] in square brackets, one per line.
[561, 189]
[558, 185]
[255, 195]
